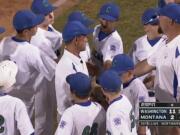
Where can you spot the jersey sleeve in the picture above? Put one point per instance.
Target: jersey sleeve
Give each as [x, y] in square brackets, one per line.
[42, 63]
[113, 49]
[117, 124]
[152, 59]
[23, 121]
[65, 126]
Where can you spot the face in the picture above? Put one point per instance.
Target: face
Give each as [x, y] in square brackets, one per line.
[81, 42]
[164, 23]
[107, 25]
[151, 28]
[126, 76]
[49, 19]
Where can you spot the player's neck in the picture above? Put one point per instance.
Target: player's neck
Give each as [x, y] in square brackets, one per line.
[153, 35]
[172, 34]
[72, 50]
[113, 97]
[44, 27]
[23, 37]
[79, 101]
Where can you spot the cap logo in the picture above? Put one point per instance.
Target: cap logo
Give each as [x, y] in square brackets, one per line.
[45, 3]
[108, 10]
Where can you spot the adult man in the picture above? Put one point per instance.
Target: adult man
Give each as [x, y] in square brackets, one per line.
[75, 38]
[49, 41]
[30, 60]
[166, 59]
[107, 41]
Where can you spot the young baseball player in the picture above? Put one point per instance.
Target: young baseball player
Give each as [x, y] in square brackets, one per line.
[84, 117]
[120, 114]
[30, 60]
[49, 41]
[133, 87]
[108, 42]
[13, 113]
[75, 38]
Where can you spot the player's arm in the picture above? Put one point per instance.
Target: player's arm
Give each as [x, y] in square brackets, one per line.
[143, 68]
[65, 126]
[23, 121]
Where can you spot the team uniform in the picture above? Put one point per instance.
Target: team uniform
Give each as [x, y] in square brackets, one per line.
[68, 64]
[91, 120]
[108, 47]
[120, 117]
[13, 116]
[31, 62]
[166, 61]
[45, 99]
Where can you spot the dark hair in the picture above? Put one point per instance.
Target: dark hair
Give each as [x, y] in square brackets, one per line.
[81, 96]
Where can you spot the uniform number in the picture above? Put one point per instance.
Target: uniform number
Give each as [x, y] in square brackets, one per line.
[90, 130]
[1, 124]
[132, 118]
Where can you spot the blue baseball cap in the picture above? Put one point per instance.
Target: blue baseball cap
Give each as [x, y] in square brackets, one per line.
[80, 16]
[171, 11]
[73, 29]
[42, 7]
[122, 63]
[110, 12]
[2, 30]
[25, 19]
[110, 81]
[150, 16]
[79, 83]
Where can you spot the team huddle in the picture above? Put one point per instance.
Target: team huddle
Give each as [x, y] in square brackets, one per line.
[56, 83]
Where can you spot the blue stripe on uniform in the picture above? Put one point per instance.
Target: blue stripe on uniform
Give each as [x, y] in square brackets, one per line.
[175, 84]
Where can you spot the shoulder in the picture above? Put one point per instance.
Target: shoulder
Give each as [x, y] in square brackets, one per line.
[116, 36]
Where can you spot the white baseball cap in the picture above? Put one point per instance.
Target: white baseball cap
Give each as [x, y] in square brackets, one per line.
[8, 71]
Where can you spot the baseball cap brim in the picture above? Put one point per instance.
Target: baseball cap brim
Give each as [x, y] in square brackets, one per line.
[2, 29]
[120, 71]
[108, 18]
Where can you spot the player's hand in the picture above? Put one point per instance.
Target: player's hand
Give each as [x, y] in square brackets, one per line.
[149, 81]
[92, 68]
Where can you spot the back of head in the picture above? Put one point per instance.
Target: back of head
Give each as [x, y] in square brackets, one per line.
[73, 29]
[42, 7]
[110, 81]
[150, 16]
[109, 11]
[172, 11]
[80, 84]
[122, 63]
[25, 19]
[8, 71]
[80, 16]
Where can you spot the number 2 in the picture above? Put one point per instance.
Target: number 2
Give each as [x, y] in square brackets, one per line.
[90, 130]
[1, 124]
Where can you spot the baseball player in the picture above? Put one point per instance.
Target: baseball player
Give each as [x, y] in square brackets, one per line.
[13, 113]
[30, 60]
[120, 115]
[85, 116]
[108, 42]
[166, 59]
[49, 41]
[51, 38]
[146, 45]
[80, 16]
[133, 87]
[75, 38]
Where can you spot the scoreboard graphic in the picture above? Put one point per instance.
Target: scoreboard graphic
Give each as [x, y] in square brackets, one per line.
[159, 114]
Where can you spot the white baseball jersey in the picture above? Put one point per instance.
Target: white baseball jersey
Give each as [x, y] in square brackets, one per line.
[142, 48]
[167, 63]
[86, 55]
[120, 117]
[83, 119]
[136, 92]
[109, 46]
[68, 64]
[48, 41]
[13, 117]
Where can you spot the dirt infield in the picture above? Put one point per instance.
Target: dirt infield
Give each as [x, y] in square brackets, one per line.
[9, 8]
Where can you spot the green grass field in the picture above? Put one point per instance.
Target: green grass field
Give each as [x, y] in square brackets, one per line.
[129, 25]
